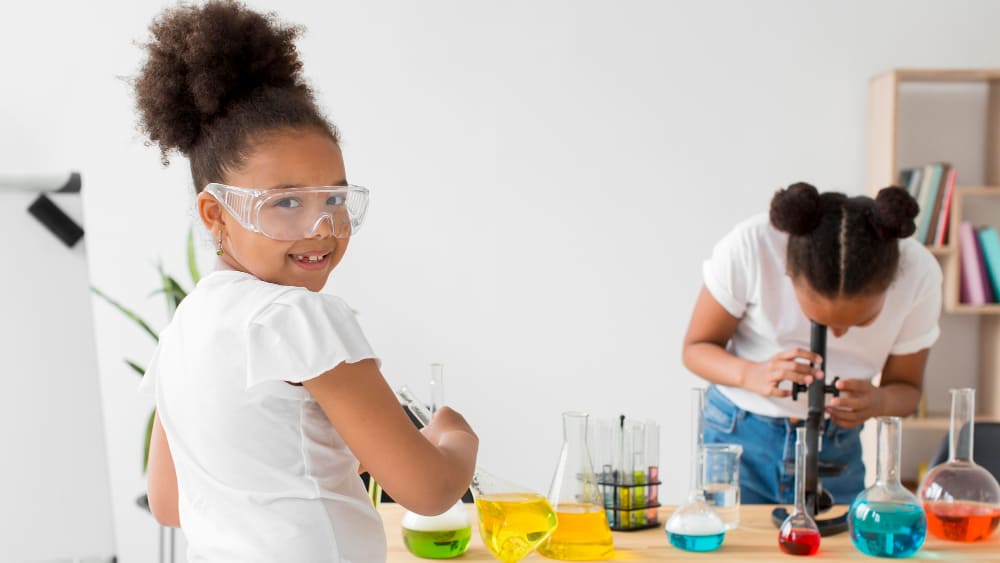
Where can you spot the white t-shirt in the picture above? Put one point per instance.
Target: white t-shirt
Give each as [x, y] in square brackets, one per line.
[746, 275]
[262, 475]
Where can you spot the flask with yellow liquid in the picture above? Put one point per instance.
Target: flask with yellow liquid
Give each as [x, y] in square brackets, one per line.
[583, 533]
[513, 520]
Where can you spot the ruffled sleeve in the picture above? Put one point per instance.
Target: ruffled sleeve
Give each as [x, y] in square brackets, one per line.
[302, 335]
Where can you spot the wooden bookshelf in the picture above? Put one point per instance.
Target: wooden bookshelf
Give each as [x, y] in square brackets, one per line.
[891, 146]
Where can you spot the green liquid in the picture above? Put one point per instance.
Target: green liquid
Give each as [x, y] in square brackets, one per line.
[437, 545]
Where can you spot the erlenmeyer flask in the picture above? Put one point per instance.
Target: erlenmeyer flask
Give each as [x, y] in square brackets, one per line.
[799, 534]
[445, 535]
[886, 520]
[696, 526]
[513, 519]
[583, 533]
[961, 498]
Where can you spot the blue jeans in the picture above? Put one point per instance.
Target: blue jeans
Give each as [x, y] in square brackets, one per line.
[769, 442]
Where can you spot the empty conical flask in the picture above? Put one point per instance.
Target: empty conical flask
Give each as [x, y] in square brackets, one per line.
[583, 533]
[961, 498]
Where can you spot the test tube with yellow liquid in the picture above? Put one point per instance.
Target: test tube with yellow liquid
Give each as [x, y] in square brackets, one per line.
[513, 520]
[583, 533]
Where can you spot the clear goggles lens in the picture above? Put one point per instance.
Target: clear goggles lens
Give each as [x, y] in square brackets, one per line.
[295, 213]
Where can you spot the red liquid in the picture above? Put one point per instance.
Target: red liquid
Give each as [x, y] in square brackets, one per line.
[799, 542]
[962, 521]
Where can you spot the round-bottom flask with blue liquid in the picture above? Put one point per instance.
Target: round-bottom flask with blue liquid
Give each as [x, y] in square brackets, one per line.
[885, 519]
[695, 526]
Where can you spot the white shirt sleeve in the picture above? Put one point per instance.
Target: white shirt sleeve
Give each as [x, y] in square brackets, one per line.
[728, 273]
[920, 328]
[302, 335]
[147, 387]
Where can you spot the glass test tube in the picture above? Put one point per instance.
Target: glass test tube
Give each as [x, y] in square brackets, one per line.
[624, 473]
[638, 474]
[653, 468]
[437, 387]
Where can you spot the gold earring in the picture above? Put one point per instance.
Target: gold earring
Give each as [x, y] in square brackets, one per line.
[218, 249]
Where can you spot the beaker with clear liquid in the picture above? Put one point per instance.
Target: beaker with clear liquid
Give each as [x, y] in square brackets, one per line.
[799, 534]
[962, 499]
[583, 533]
[696, 526]
[513, 519]
[440, 536]
[886, 520]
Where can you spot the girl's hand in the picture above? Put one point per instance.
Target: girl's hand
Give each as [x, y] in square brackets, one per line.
[443, 421]
[858, 401]
[763, 377]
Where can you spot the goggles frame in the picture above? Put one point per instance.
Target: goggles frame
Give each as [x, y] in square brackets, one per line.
[246, 204]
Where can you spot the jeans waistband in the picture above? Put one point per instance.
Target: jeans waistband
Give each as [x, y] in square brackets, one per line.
[724, 403]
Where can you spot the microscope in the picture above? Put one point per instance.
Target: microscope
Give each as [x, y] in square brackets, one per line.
[817, 500]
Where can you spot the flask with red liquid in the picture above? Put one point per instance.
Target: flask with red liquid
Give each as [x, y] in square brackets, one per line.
[962, 499]
[799, 534]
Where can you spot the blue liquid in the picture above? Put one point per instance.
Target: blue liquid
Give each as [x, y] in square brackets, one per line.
[696, 543]
[887, 529]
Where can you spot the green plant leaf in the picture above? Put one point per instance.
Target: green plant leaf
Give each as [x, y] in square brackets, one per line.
[172, 290]
[192, 259]
[149, 438]
[138, 369]
[128, 313]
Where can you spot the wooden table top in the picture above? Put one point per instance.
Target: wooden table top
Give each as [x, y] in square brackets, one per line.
[756, 539]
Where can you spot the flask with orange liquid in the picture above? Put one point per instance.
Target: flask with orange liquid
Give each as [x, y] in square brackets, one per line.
[962, 499]
[583, 533]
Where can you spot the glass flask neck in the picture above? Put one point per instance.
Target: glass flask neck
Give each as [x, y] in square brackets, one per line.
[698, 437]
[889, 449]
[800, 470]
[575, 429]
[963, 407]
[437, 387]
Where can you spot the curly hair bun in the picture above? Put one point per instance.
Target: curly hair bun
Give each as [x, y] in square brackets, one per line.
[893, 213]
[202, 59]
[796, 210]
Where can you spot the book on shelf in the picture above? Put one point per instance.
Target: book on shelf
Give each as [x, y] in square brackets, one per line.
[989, 243]
[928, 193]
[929, 226]
[941, 232]
[932, 185]
[975, 287]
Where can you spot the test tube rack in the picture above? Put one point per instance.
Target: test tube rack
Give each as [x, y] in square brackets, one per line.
[630, 502]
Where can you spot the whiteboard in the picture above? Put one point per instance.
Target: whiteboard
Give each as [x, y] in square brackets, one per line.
[55, 497]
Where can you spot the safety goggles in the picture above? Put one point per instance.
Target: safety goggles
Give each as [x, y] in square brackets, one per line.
[295, 213]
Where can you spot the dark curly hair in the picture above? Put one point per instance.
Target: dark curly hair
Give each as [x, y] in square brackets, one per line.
[843, 246]
[217, 77]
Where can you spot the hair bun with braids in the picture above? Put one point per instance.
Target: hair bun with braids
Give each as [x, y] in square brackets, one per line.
[796, 210]
[203, 58]
[893, 213]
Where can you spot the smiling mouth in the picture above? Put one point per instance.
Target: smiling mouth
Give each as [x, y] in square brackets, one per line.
[309, 259]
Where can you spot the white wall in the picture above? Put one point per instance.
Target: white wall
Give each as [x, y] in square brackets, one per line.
[549, 176]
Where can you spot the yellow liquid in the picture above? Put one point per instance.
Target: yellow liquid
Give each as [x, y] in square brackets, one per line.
[582, 534]
[513, 524]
